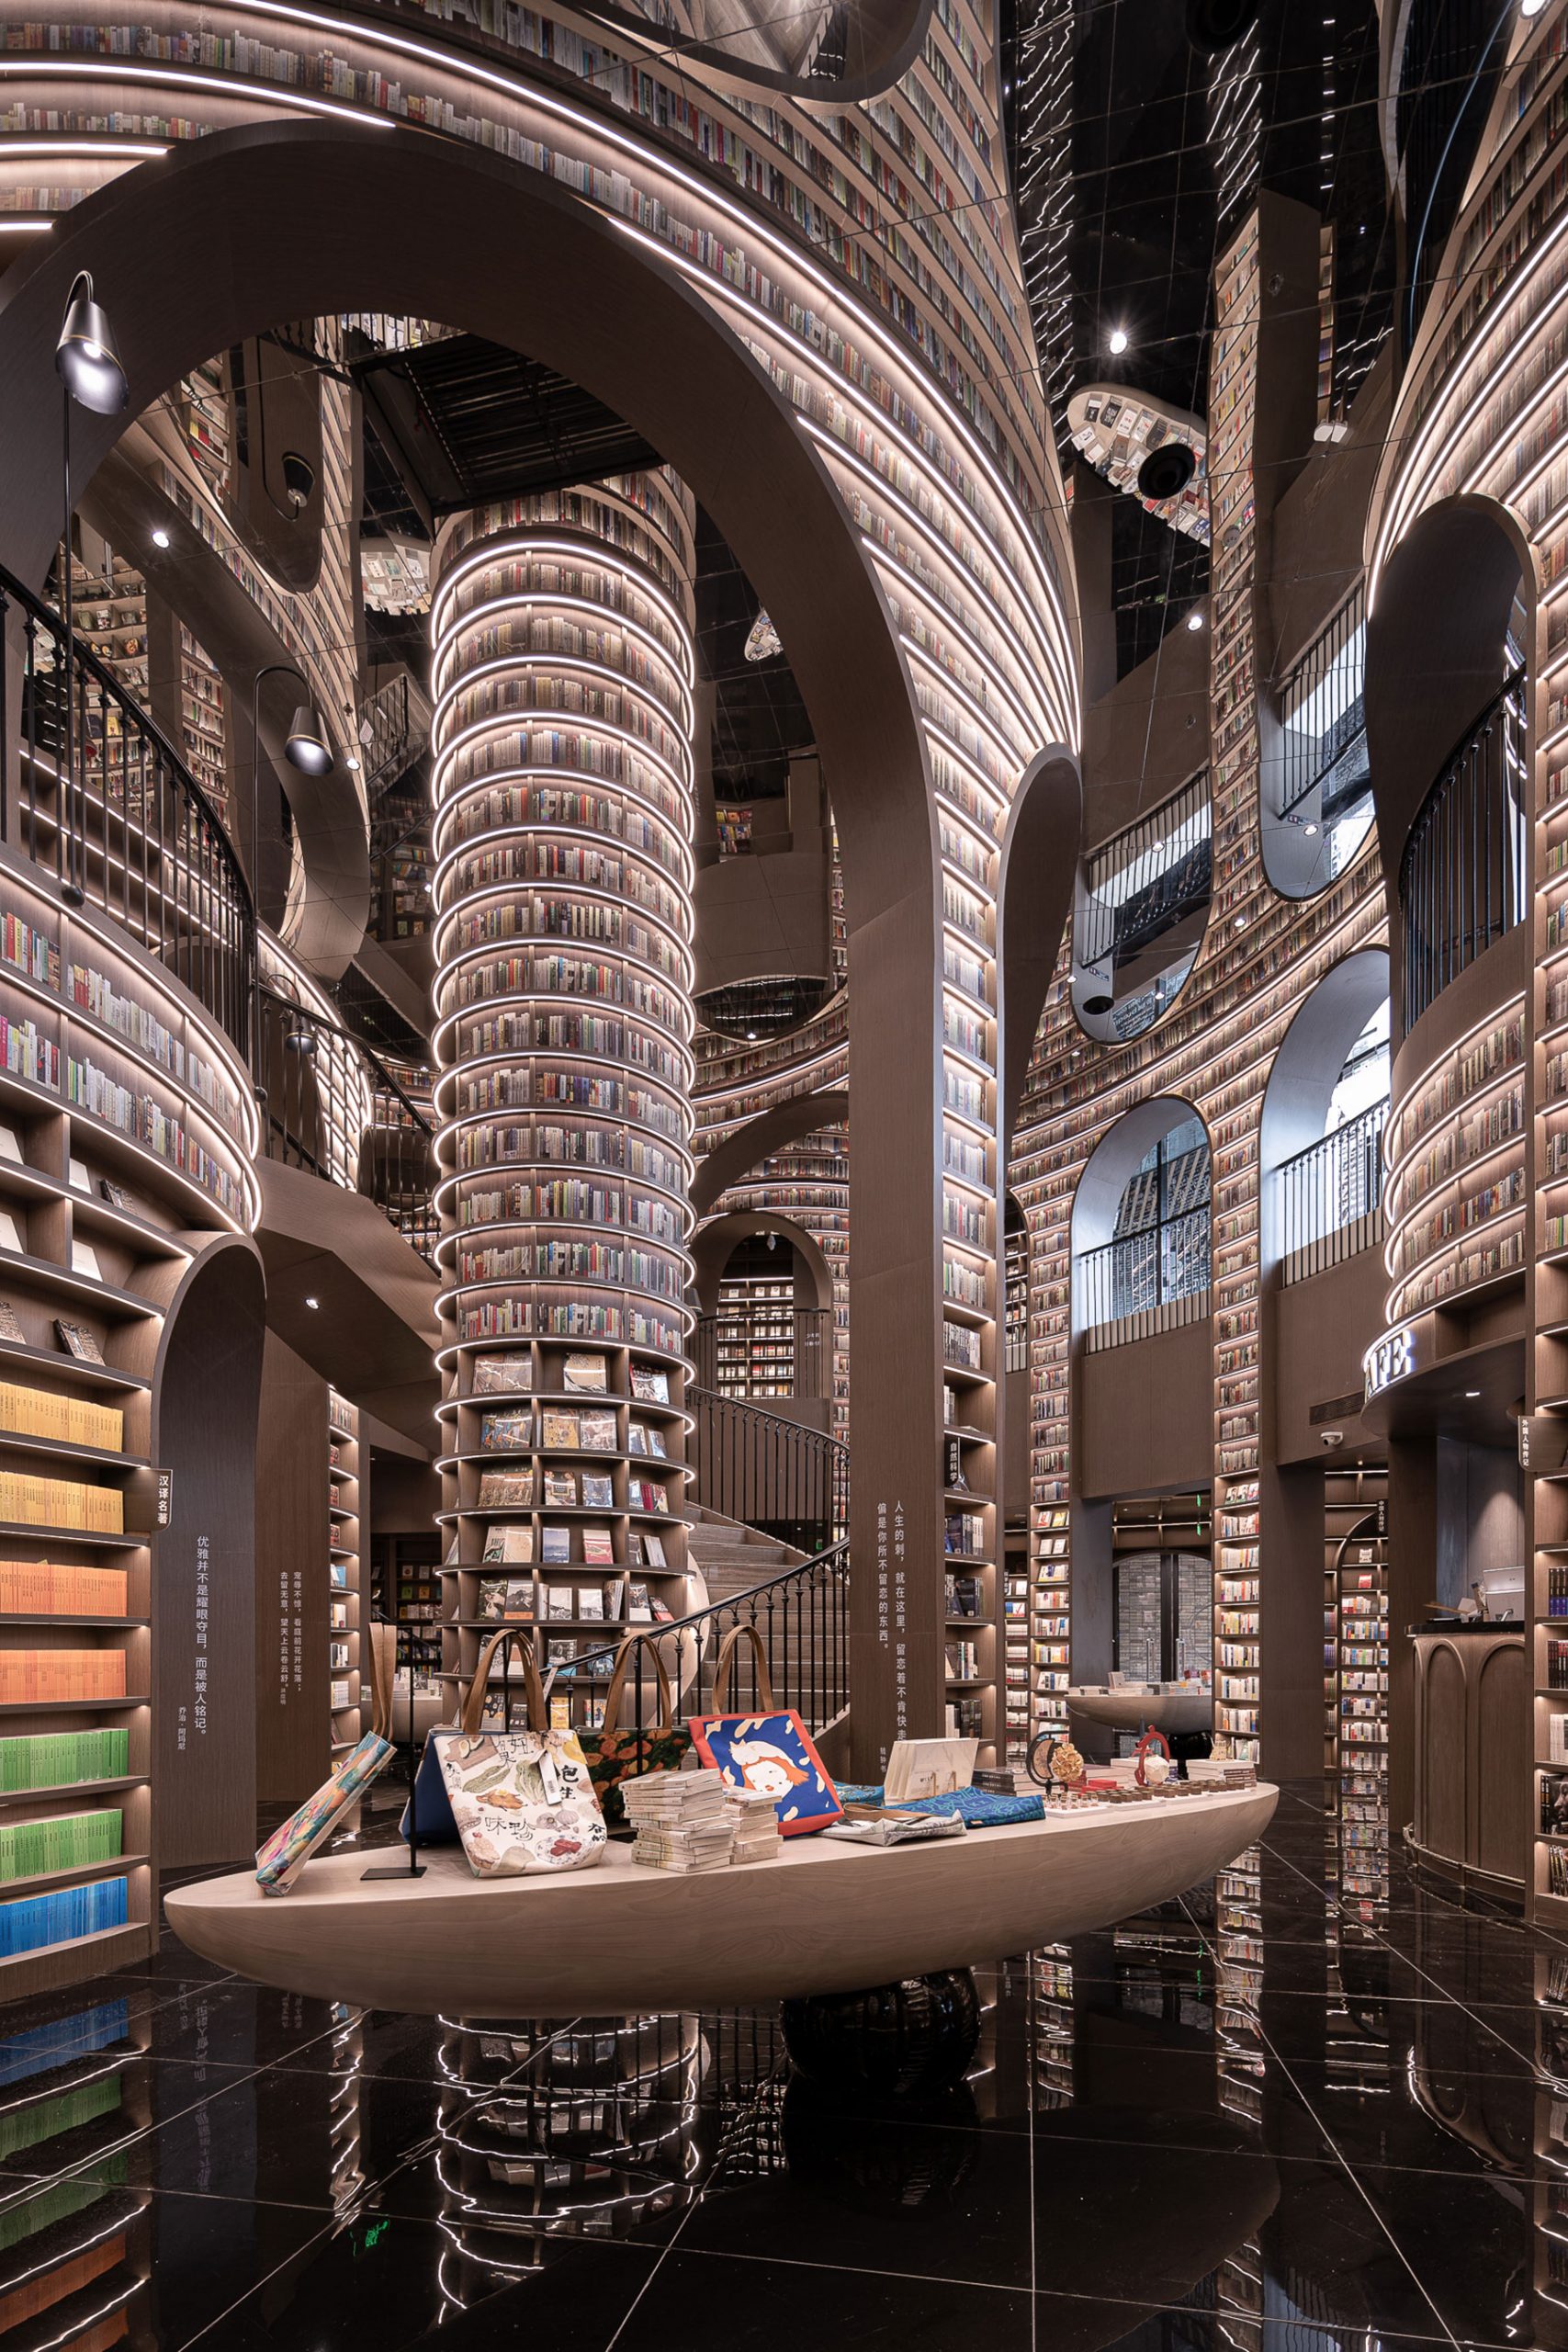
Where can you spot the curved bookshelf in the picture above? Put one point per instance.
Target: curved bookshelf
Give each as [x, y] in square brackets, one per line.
[127, 1134]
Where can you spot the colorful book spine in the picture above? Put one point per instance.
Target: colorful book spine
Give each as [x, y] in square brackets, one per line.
[64, 1917]
[60, 1760]
[65, 1842]
[48, 1589]
[58, 1678]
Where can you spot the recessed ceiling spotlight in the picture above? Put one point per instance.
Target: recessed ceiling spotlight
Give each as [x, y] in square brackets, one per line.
[1241, 923]
[1476, 1392]
[350, 761]
[1118, 342]
[1311, 831]
[312, 1302]
[160, 539]
[1532, 7]
[1195, 617]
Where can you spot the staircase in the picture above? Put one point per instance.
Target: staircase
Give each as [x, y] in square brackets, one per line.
[731, 1556]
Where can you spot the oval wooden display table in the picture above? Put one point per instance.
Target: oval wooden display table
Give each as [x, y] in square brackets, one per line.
[1136, 1710]
[824, 1918]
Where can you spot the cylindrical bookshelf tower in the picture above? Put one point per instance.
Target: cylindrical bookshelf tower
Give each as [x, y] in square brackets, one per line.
[563, 674]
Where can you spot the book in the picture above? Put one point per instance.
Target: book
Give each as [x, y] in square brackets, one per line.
[653, 1444]
[112, 1195]
[77, 1340]
[586, 1376]
[598, 1547]
[78, 1177]
[562, 1651]
[559, 1600]
[615, 1601]
[653, 1550]
[560, 1489]
[502, 1375]
[636, 1437]
[649, 1386]
[636, 1556]
[84, 1260]
[10, 1238]
[507, 1544]
[639, 1610]
[507, 1599]
[10, 1147]
[596, 1434]
[9, 1328]
[505, 1489]
[560, 1430]
[589, 1600]
[506, 1432]
[554, 1544]
[598, 1491]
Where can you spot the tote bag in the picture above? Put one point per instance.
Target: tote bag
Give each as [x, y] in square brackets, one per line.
[522, 1801]
[429, 1807]
[770, 1750]
[616, 1755]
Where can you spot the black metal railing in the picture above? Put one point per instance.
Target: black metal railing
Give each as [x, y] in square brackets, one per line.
[770, 1473]
[331, 1105]
[1463, 879]
[1324, 719]
[1146, 1281]
[803, 1618]
[786, 1351]
[1329, 1196]
[98, 796]
[1161, 869]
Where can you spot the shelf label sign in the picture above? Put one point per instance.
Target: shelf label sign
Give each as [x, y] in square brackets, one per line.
[1387, 1360]
[165, 1498]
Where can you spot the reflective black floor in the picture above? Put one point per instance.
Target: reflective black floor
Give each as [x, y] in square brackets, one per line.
[1274, 2117]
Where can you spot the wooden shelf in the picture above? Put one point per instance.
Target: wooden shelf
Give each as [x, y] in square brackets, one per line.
[120, 1865]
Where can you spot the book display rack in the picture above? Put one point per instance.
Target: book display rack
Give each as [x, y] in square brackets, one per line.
[563, 790]
[755, 1344]
[346, 1664]
[126, 1132]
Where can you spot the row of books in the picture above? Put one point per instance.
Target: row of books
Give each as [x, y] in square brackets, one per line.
[58, 1759]
[581, 1375]
[564, 1490]
[46, 1589]
[56, 1677]
[61, 1502]
[523, 1601]
[65, 1420]
[63, 1916]
[67, 1841]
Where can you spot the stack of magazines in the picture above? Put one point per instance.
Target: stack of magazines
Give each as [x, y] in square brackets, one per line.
[755, 1818]
[682, 1820]
[870, 1824]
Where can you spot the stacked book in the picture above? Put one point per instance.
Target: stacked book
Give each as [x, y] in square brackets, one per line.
[754, 1816]
[682, 1820]
[1005, 1780]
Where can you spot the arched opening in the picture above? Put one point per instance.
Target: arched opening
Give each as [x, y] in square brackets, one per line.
[1142, 905]
[1314, 774]
[1449, 641]
[764, 1295]
[1323, 1112]
[1141, 1226]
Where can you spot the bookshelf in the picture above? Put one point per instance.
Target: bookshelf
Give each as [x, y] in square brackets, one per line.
[126, 1136]
[563, 786]
[347, 1666]
[408, 1590]
[204, 721]
[755, 1335]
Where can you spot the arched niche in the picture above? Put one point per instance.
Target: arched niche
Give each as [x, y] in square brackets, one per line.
[1034, 897]
[1306, 1070]
[1111, 1167]
[205, 1400]
[1306, 720]
[712, 1245]
[758, 1138]
[1437, 654]
[1141, 902]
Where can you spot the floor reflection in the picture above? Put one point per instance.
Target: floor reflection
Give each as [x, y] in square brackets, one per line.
[1306, 2108]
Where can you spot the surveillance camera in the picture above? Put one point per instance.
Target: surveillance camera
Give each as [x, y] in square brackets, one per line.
[1332, 1437]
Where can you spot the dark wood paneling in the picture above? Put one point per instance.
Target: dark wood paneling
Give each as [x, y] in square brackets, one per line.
[204, 1423]
[1324, 1326]
[293, 1727]
[1500, 1706]
[1145, 1420]
[1440, 1811]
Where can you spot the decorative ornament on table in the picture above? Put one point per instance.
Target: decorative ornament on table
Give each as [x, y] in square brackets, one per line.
[1154, 1769]
[1055, 1762]
[763, 640]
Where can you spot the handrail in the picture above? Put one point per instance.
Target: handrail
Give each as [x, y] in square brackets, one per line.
[1329, 1195]
[807, 1646]
[1462, 876]
[320, 1113]
[131, 831]
[769, 1472]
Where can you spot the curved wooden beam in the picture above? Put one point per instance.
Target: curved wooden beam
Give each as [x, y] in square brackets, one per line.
[713, 1243]
[769, 1132]
[1034, 899]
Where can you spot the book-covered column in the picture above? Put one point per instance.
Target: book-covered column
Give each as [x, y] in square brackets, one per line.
[1234, 1121]
[563, 672]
